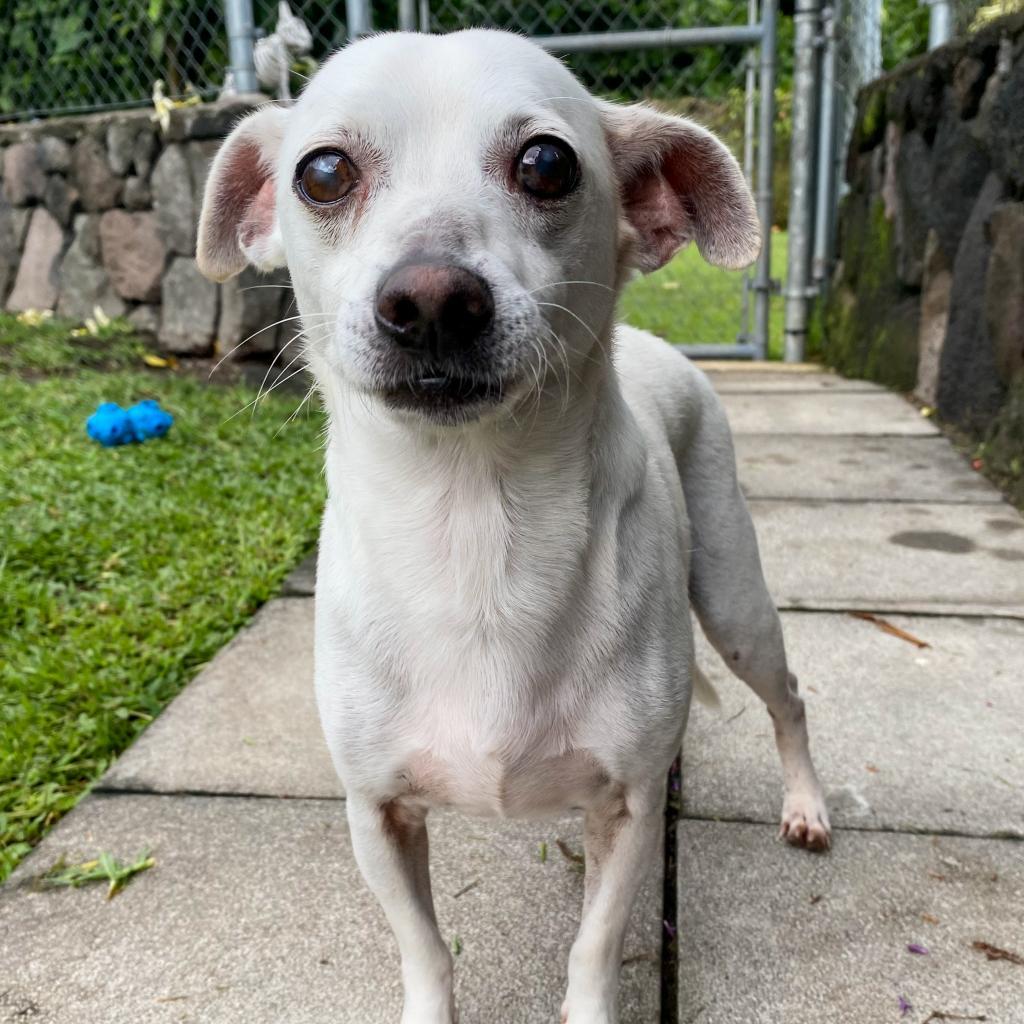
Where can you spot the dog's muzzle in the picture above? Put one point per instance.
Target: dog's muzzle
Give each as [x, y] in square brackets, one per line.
[437, 314]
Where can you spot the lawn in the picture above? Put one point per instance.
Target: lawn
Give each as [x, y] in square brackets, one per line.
[123, 570]
[690, 302]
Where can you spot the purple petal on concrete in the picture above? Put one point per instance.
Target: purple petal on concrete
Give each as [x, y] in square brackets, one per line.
[917, 950]
[905, 1006]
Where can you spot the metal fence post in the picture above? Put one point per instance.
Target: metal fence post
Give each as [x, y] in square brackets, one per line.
[940, 22]
[823, 215]
[241, 34]
[407, 15]
[749, 156]
[766, 130]
[801, 192]
[359, 18]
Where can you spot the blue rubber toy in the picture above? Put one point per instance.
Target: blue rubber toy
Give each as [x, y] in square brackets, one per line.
[111, 425]
[149, 420]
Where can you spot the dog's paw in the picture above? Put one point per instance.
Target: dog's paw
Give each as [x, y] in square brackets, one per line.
[805, 822]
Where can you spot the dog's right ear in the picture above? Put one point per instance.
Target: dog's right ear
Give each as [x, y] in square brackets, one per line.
[238, 225]
[677, 183]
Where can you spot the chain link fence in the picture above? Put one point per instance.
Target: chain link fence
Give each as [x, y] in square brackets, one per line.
[58, 57]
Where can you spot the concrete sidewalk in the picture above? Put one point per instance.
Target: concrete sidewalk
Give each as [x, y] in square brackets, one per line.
[255, 912]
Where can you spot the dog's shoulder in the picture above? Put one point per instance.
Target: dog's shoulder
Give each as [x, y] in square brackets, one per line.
[659, 381]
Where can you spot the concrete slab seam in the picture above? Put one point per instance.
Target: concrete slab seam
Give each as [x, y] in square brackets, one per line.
[868, 829]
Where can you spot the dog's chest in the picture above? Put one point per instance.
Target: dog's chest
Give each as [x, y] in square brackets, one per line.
[504, 785]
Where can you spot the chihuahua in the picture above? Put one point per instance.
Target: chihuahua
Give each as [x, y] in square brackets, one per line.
[525, 499]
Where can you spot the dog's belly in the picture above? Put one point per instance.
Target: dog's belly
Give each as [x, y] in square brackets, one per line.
[507, 787]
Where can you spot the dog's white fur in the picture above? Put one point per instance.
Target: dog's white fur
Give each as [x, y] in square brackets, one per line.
[503, 602]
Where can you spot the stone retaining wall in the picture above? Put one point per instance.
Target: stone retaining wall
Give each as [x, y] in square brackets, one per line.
[929, 292]
[102, 210]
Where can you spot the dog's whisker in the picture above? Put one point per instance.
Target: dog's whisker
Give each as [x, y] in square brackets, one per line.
[555, 284]
[302, 334]
[276, 323]
[252, 404]
[284, 348]
[560, 348]
[295, 412]
[575, 316]
[281, 379]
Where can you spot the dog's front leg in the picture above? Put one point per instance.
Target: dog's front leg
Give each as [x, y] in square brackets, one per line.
[620, 840]
[390, 845]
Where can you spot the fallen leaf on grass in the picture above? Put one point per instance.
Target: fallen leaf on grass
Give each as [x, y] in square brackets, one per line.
[160, 362]
[888, 627]
[103, 869]
[995, 953]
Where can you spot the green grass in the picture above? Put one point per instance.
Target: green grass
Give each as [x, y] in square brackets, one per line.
[123, 570]
[690, 302]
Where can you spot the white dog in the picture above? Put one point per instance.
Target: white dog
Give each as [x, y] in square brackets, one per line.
[525, 500]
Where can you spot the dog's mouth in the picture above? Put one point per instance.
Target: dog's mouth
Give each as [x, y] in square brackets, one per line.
[440, 394]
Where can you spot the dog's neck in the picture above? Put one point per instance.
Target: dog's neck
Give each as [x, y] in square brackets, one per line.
[551, 430]
[493, 519]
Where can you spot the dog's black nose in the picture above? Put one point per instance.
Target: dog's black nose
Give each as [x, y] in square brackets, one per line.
[438, 309]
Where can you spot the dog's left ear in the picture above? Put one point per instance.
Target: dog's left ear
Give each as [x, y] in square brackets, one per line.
[678, 183]
[238, 225]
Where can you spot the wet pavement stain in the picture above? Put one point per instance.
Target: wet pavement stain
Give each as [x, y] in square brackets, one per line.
[934, 540]
[1004, 525]
[1007, 554]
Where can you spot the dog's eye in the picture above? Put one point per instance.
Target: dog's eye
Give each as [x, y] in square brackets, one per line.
[325, 177]
[547, 168]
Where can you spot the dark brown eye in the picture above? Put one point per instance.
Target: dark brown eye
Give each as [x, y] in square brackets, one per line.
[326, 177]
[547, 168]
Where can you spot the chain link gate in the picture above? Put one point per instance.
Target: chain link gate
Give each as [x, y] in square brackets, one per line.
[721, 74]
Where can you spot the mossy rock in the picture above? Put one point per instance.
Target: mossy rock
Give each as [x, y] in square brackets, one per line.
[869, 324]
[870, 126]
[1003, 447]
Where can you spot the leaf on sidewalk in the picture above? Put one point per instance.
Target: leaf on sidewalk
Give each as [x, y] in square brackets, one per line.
[995, 953]
[888, 627]
[103, 869]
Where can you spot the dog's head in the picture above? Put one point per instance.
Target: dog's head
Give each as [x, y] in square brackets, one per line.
[457, 214]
